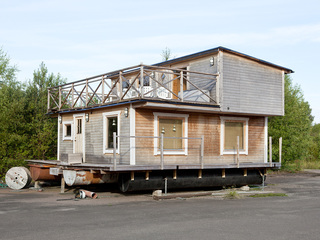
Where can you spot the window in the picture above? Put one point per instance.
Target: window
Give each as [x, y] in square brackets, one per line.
[111, 124]
[231, 128]
[171, 128]
[171, 125]
[67, 130]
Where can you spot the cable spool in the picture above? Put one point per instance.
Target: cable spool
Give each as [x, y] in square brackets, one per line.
[18, 178]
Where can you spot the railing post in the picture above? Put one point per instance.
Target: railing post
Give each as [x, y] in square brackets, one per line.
[87, 93]
[270, 151]
[60, 95]
[120, 83]
[280, 149]
[238, 146]
[202, 151]
[161, 151]
[114, 151]
[72, 95]
[102, 87]
[181, 86]
[142, 80]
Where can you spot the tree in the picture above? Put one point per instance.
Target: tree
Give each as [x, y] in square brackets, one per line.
[166, 54]
[41, 128]
[12, 121]
[295, 127]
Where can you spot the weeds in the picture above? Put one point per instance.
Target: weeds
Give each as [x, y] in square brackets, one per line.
[269, 195]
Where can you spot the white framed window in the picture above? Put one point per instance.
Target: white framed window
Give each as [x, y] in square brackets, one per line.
[171, 125]
[111, 124]
[67, 130]
[231, 128]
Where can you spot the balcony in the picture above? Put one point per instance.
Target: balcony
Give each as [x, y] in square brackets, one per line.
[137, 82]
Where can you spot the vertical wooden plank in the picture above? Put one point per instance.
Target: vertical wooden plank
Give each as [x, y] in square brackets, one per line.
[245, 172]
[161, 151]
[132, 175]
[280, 149]
[102, 88]
[200, 173]
[147, 175]
[238, 145]
[114, 151]
[270, 151]
[175, 174]
[181, 85]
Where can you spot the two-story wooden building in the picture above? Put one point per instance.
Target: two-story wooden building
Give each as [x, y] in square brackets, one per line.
[197, 120]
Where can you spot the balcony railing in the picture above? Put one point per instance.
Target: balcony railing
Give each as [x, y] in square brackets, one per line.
[137, 82]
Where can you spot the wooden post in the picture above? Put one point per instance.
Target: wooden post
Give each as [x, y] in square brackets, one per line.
[202, 151]
[142, 80]
[132, 175]
[102, 89]
[280, 149]
[147, 175]
[62, 185]
[120, 85]
[175, 174]
[114, 151]
[181, 85]
[72, 95]
[223, 174]
[238, 145]
[161, 152]
[200, 173]
[270, 151]
[87, 93]
[60, 98]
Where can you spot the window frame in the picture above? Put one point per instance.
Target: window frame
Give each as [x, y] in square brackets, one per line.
[245, 122]
[64, 131]
[105, 131]
[184, 118]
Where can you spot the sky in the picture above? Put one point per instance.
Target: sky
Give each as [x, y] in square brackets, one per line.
[79, 39]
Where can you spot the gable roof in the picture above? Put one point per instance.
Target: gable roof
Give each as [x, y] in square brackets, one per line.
[216, 50]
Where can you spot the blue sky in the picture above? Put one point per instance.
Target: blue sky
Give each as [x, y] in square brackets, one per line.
[80, 39]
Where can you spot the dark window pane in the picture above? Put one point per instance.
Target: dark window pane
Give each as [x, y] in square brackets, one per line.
[68, 130]
[112, 127]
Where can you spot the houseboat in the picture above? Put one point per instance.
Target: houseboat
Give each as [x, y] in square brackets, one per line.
[199, 120]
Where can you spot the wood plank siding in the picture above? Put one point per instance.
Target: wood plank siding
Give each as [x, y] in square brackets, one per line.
[199, 124]
[251, 87]
[94, 138]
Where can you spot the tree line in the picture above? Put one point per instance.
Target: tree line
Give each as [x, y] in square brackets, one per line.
[26, 132]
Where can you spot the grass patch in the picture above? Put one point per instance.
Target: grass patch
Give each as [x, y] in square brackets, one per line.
[232, 195]
[269, 195]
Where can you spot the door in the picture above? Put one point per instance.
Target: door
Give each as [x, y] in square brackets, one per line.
[78, 146]
[176, 84]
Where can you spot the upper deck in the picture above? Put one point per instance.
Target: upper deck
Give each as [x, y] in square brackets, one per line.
[133, 83]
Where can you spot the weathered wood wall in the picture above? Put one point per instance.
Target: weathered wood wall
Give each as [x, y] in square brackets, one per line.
[198, 124]
[251, 87]
[94, 138]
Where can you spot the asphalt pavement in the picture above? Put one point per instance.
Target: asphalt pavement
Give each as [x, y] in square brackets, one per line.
[29, 214]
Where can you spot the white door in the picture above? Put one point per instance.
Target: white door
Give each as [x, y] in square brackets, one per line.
[78, 146]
